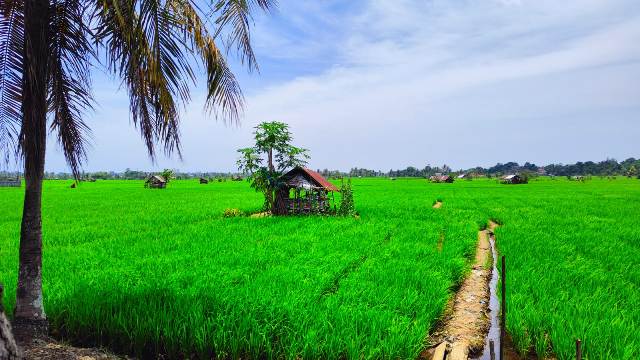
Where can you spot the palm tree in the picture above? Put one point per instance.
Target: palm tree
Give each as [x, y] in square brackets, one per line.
[47, 48]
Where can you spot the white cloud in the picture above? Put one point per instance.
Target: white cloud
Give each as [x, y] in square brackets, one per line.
[394, 83]
[405, 60]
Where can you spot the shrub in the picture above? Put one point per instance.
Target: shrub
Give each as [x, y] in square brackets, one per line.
[228, 213]
[347, 207]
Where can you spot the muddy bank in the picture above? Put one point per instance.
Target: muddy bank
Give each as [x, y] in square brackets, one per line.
[49, 349]
[466, 322]
[492, 338]
[463, 330]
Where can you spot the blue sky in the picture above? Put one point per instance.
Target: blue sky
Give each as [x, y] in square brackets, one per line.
[386, 84]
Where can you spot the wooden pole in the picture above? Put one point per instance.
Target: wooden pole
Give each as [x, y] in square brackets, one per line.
[492, 351]
[503, 307]
[578, 349]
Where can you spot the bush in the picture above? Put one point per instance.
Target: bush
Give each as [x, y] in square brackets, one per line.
[347, 207]
[228, 213]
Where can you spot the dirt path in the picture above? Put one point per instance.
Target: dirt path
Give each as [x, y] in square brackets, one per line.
[467, 322]
[437, 205]
[48, 349]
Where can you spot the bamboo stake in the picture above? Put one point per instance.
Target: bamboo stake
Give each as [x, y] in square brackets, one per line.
[492, 351]
[504, 310]
[578, 349]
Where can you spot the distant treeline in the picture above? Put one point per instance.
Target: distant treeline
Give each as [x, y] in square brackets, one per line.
[128, 174]
[609, 167]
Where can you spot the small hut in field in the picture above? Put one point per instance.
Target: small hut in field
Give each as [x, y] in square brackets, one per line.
[303, 191]
[464, 176]
[204, 181]
[10, 182]
[155, 182]
[513, 179]
[441, 179]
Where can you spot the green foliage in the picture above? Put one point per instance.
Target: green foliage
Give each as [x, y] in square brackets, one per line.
[270, 156]
[233, 212]
[167, 273]
[168, 175]
[526, 176]
[632, 171]
[347, 206]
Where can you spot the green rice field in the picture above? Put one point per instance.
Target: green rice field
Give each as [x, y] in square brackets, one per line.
[150, 272]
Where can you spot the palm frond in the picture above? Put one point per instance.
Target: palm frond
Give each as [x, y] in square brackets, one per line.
[69, 79]
[148, 42]
[144, 44]
[224, 96]
[11, 70]
[237, 15]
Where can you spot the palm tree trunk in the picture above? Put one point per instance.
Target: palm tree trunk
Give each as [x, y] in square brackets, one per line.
[29, 317]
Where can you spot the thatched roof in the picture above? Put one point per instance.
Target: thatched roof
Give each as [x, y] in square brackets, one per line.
[156, 179]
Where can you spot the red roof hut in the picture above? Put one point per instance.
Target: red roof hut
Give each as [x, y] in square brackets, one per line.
[303, 191]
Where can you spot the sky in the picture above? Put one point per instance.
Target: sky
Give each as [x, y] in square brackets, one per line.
[388, 84]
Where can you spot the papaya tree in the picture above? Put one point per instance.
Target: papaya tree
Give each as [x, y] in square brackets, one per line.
[265, 162]
[168, 175]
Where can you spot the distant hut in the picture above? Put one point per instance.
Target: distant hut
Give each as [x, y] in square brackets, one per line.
[237, 178]
[513, 179]
[464, 176]
[155, 182]
[10, 182]
[303, 191]
[204, 180]
[441, 179]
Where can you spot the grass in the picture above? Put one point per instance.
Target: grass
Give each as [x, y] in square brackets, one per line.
[572, 251]
[163, 272]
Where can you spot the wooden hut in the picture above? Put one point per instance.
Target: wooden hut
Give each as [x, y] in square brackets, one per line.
[465, 176]
[155, 182]
[10, 182]
[303, 191]
[513, 179]
[204, 181]
[441, 179]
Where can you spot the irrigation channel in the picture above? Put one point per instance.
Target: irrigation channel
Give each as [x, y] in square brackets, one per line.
[493, 335]
[475, 310]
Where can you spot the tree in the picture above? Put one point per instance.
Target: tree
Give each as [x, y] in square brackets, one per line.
[632, 171]
[273, 141]
[47, 48]
[168, 175]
